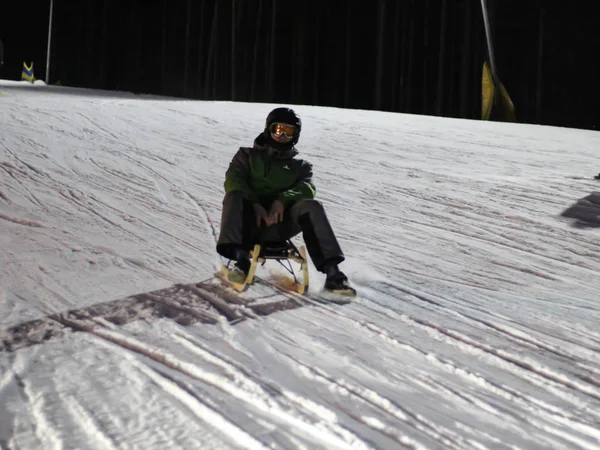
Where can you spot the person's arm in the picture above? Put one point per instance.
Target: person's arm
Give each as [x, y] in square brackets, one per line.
[236, 177]
[304, 189]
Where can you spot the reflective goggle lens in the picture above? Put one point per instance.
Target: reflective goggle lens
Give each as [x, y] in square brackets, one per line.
[279, 129]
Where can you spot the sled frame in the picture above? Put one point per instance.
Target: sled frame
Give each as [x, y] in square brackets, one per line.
[284, 253]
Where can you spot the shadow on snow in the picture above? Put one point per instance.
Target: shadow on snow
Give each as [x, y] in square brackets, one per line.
[207, 302]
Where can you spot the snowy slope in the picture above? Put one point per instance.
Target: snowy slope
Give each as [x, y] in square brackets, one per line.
[478, 313]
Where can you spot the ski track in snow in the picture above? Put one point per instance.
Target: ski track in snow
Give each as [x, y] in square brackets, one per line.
[475, 327]
[530, 370]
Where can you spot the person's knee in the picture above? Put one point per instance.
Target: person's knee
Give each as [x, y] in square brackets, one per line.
[234, 196]
[309, 205]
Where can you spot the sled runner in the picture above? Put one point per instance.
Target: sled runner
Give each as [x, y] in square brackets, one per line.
[284, 253]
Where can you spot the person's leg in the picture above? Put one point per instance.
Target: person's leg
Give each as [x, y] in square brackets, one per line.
[309, 217]
[323, 247]
[237, 227]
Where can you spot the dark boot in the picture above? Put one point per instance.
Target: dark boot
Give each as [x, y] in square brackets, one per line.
[337, 281]
[240, 270]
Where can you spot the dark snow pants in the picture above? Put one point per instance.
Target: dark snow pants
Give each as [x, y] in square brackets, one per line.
[238, 228]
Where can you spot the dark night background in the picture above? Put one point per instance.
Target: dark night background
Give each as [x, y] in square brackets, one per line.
[412, 56]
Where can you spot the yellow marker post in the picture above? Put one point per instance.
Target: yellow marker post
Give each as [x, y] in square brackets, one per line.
[27, 73]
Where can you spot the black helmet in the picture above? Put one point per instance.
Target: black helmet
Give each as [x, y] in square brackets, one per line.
[287, 116]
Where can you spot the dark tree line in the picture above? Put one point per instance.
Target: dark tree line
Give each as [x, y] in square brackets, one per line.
[420, 56]
[414, 56]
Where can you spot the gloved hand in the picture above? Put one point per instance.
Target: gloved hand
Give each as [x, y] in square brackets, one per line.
[276, 213]
[261, 214]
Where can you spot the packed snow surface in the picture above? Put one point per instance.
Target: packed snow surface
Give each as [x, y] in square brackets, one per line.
[477, 321]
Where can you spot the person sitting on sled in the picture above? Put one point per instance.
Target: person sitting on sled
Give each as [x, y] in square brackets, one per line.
[270, 197]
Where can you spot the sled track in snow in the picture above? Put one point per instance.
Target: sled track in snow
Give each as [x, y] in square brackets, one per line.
[527, 369]
[282, 406]
[587, 384]
[209, 302]
[188, 304]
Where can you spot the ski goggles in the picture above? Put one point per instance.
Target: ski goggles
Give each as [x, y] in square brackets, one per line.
[282, 129]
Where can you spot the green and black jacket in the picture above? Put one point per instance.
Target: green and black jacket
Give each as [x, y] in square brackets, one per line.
[265, 176]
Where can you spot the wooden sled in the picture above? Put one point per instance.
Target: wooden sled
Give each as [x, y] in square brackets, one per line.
[284, 253]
